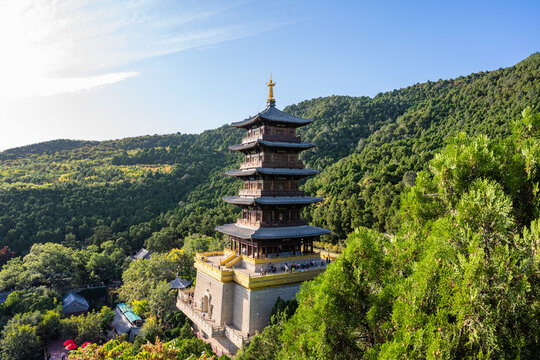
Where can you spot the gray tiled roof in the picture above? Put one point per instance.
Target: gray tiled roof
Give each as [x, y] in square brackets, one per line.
[275, 115]
[72, 303]
[271, 200]
[179, 283]
[272, 171]
[120, 323]
[142, 254]
[280, 144]
[271, 232]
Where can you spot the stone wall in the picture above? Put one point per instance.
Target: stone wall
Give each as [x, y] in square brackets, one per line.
[262, 302]
[219, 298]
[251, 308]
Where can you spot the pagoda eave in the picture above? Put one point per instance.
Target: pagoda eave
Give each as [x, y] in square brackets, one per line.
[271, 233]
[272, 171]
[271, 114]
[272, 144]
[271, 200]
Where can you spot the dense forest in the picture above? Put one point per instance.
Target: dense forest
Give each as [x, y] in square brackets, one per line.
[458, 280]
[434, 190]
[79, 193]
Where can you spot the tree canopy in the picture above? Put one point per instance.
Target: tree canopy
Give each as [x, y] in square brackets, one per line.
[458, 280]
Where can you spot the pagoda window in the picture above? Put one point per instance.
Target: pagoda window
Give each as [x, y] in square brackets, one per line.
[283, 215]
[280, 132]
[292, 132]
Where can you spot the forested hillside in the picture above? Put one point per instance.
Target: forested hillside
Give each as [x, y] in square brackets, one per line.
[155, 190]
[458, 280]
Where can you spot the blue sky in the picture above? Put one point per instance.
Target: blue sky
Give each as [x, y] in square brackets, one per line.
[106, 69]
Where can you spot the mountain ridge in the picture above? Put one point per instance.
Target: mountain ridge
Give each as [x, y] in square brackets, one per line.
[368, 148]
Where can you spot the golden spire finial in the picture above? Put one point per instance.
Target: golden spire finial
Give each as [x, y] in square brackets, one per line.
[270, 84]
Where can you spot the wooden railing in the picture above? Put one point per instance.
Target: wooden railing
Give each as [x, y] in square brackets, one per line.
[259, 192]
[241, 221]
[275, 223]
[284, 138]
[272, 164]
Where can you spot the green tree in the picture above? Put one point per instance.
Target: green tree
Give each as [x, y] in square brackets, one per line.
[200, 243]
[142, 276]
[151, 330]
[52, 265]
[20, 342]
[162, 241]
[161, 299]
[92, 326]
[20, 301]
[49, 326]
[458, 280]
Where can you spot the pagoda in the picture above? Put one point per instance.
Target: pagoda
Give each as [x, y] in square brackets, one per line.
[271, 201]
[271, 247]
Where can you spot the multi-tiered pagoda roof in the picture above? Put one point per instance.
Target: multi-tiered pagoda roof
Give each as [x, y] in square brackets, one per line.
[271, 201]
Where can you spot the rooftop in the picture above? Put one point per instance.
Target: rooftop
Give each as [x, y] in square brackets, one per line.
[179, 283]
[142, 254]
[272, 171]
[128, 313]
[266, 143]
[264, 233]
[271, 200]
[272, 114]
[72, 303]
[251, 278]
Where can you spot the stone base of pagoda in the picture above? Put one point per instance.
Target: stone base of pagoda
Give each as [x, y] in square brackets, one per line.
[242, 296]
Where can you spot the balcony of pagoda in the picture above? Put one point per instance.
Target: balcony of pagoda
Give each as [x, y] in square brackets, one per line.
[271, 137]
[260, 192]
[270, 223]
[272, 164]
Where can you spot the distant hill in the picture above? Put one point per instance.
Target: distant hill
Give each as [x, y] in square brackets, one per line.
[154, 187]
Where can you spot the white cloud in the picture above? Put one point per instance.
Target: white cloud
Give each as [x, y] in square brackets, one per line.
[53, 47]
